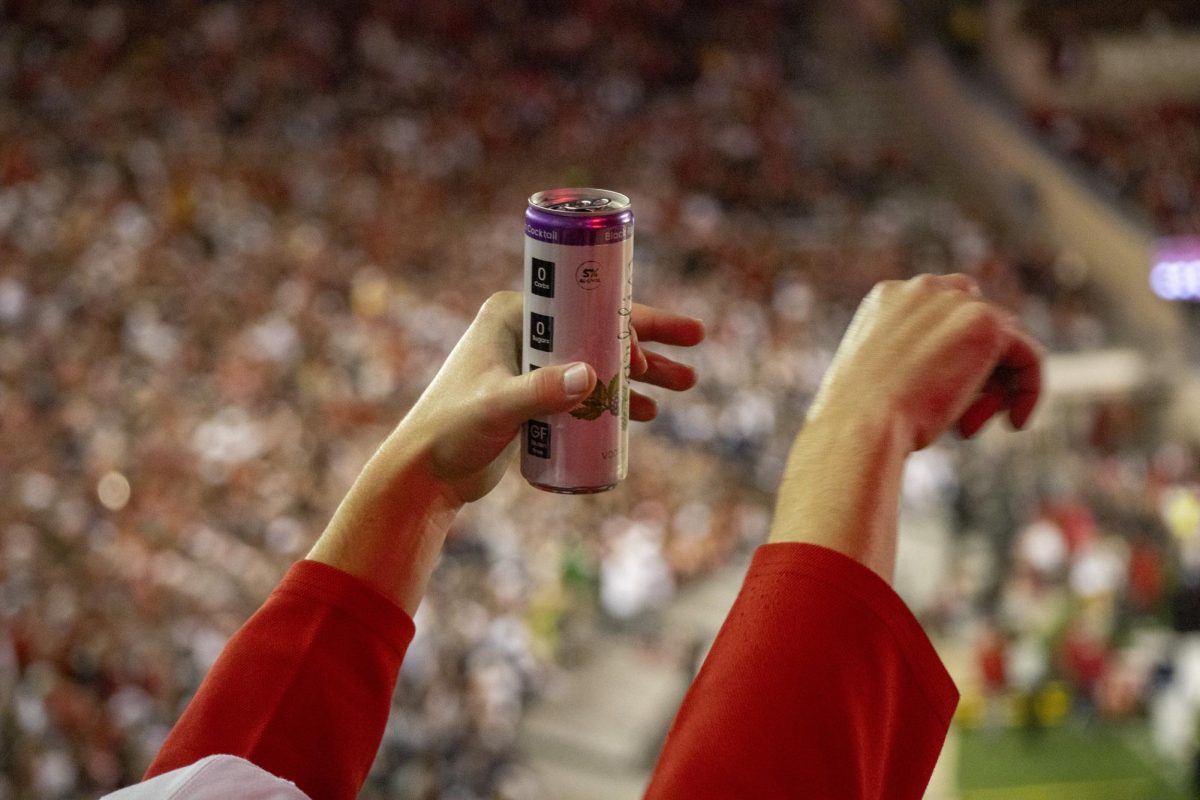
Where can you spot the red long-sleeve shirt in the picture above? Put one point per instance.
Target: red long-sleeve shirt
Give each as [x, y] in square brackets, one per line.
[821, 684]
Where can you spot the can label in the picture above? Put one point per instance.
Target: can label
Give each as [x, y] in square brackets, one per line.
[578, 298]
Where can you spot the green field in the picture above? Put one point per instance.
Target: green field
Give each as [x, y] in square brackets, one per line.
[1101, 763]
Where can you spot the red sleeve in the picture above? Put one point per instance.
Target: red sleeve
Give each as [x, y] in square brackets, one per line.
[821, 684]
[304, 688]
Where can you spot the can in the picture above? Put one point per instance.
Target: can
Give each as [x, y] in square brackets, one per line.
[578, 289]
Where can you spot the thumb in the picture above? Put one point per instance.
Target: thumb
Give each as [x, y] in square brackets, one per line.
[547, 390]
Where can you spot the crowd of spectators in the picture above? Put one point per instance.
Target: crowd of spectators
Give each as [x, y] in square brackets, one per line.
[1073, 611]
[1145, 155]
[1147, 158]
[1088, 612]
[1074, 579]
[1050, 20]
[238, 239]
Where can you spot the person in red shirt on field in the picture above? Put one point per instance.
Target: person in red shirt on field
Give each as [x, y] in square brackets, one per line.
[820, 684]
[1147, 574]
[1086, 657]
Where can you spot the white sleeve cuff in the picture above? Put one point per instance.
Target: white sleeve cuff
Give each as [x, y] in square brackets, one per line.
[213, 778]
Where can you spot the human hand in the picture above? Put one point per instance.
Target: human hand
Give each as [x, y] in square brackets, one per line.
[930, 353]
[470, 415]
[919, 356]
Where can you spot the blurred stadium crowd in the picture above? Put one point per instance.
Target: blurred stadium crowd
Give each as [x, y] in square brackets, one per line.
[1144, 153]
[238, 240]
[1146, 157]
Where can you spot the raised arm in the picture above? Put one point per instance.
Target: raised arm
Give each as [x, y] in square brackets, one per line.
[304, 688]
[821, 683]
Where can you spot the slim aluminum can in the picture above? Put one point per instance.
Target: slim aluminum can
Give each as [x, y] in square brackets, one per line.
[578, 297]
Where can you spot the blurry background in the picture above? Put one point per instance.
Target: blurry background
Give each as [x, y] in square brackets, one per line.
[237, 239]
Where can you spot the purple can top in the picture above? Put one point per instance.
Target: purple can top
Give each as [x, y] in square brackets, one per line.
[579, 217]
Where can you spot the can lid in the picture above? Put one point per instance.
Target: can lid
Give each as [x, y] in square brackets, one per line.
[578, 202]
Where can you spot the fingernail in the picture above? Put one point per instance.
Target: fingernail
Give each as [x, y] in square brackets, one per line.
[575, 379]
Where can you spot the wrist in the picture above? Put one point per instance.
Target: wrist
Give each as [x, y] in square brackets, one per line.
[871, 416]
[389, 528]
[405, 466]
[875, 426]
[841, 486]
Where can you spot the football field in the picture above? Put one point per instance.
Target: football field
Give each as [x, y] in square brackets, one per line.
[1066, 763]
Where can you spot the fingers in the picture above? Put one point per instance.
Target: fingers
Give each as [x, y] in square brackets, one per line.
[1021, 365]
[1015, 384]
[638, 363]
[657, 325]
[544, 391]
[958, 280]
[979, 413]
[647, 324]
[650, 324]
[666, 372]
[989, 357]
[641, 407]
[990, 401]
[659, 371]
[1015, 378]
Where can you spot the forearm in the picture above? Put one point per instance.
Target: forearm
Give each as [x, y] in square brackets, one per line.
[389, 529]
[841, 487]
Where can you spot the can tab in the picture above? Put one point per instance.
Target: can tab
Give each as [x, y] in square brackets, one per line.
[582, 205]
